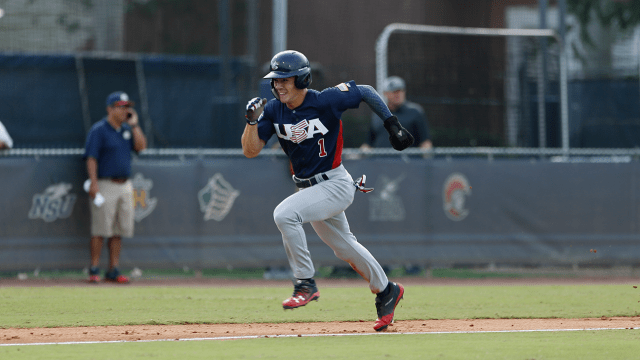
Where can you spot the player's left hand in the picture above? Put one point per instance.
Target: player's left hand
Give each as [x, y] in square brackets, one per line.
[399, 137]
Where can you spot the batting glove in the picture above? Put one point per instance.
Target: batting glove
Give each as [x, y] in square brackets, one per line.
[360, 184]
[399, 137]
[254, 108]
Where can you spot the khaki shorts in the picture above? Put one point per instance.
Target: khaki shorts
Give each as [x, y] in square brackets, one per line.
[115, 216]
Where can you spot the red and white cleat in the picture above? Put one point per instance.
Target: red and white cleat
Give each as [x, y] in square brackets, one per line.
[304, 291]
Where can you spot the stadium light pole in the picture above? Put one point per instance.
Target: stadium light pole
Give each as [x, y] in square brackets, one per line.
[279, 35]
[542, 78]
[564, 96]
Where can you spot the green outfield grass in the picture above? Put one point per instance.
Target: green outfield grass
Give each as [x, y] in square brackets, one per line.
[88, 306]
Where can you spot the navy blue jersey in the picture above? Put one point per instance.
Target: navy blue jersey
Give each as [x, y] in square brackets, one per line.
[111, 148]
[311, 134]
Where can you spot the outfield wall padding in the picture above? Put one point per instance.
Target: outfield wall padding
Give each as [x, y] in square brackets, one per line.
[217, 212]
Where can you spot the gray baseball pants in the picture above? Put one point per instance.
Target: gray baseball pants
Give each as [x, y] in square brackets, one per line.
[323, 206]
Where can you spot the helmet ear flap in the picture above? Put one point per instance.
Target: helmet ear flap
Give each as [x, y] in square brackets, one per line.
[303, 82]
[273, 90]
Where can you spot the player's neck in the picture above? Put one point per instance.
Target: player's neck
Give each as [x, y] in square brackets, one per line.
[298, 100]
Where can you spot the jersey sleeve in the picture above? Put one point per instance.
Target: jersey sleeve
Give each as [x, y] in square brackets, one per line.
[265, 121]
[342, 97]
[93, 145]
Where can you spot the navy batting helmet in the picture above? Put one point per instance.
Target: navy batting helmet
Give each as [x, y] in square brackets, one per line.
[290, 63]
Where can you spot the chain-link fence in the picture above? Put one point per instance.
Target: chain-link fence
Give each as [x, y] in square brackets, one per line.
[60, 58]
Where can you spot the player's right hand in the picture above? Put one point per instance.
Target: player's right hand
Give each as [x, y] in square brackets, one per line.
[254, 109]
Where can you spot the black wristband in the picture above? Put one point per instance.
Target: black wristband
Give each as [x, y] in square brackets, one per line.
[254, 122]
[392, 121]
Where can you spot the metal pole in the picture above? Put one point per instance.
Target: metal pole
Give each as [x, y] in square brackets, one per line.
[542, 69]
[564, 98]
[144, 100]
[84, 98]
[382, 44]
[383, 40]
[252, 42]
[279, 26]
[225, 36]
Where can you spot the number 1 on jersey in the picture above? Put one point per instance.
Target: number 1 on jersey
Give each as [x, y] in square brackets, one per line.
[323, 152]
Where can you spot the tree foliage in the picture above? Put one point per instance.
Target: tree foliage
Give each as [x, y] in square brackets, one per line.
[623, 13]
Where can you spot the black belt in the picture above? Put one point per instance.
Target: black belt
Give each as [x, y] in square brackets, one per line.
[116, 179]
[305, 183]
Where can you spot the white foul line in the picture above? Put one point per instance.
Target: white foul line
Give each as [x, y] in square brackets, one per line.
[312, 335]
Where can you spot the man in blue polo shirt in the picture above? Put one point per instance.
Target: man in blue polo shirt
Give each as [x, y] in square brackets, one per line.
[108, 157]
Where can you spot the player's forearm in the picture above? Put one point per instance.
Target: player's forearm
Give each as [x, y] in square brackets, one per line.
[371, 97]
[251, 143]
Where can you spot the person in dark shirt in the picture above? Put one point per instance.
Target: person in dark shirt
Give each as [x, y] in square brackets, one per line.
[410, 115]
[108, 158]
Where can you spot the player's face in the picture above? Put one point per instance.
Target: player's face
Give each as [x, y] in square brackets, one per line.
[288, 92]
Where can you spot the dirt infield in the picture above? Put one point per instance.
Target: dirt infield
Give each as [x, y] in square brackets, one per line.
[174, 332]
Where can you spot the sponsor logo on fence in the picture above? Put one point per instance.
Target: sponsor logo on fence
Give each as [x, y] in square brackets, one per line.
[454, 193]
[56, 202]
[385, 204]
[217, 198]
[143, 203]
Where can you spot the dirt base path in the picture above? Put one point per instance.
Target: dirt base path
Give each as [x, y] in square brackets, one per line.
[175, 332]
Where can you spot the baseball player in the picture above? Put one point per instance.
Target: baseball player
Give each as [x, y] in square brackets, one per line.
[309, 129]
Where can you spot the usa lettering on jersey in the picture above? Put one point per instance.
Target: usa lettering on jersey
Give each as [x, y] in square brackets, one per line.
[297, 133]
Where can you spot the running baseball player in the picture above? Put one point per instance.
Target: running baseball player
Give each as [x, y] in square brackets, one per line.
[309, 129]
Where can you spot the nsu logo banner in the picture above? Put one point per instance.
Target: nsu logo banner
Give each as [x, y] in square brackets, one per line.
[56, 202]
